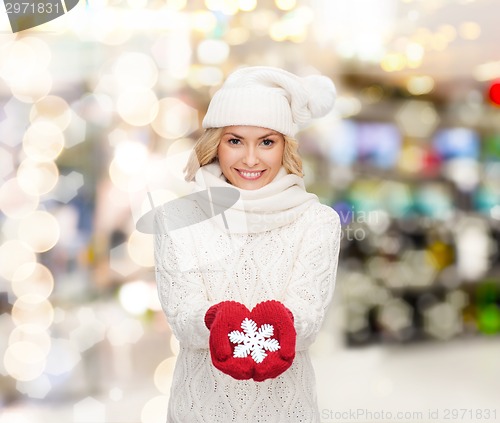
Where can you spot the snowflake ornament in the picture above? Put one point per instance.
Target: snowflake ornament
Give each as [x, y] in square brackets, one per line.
[253, 341]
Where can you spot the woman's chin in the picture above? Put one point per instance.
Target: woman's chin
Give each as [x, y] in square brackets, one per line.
[249, 186]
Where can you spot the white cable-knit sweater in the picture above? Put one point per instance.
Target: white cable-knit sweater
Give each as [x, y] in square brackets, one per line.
[295, 263]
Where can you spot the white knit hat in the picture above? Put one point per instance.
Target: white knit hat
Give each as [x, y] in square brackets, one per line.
[270, 98]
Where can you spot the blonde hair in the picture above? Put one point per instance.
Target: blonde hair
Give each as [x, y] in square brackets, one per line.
[205, 152]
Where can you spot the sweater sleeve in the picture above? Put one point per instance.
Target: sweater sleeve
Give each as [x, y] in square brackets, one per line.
[182, 294]
[312, 283]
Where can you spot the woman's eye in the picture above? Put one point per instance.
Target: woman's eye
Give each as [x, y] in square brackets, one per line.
[234, 141]
[268, 143]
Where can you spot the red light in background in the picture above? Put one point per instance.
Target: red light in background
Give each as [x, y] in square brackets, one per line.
[494, 92]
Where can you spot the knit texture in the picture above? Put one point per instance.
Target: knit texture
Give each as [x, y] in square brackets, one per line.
[273, 205]
[295, 264]
[270, 97]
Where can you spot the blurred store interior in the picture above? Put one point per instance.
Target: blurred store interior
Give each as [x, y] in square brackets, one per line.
[98, 112]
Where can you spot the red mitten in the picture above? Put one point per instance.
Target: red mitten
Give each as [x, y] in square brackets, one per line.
[222, 319]
[280, 318]
[259, 344]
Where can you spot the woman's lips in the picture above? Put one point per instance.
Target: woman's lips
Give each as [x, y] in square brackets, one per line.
[250, 175]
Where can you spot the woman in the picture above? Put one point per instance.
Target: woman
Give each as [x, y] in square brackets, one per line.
[245, 289]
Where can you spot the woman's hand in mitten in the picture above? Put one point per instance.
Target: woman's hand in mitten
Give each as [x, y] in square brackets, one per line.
[222, 319]
[276, 315]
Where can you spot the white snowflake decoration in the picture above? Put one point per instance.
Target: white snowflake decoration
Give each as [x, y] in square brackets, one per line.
[253, 341]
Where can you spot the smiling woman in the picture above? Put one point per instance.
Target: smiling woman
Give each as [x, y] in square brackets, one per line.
[246, 319]
[207, 150]
[249, 156]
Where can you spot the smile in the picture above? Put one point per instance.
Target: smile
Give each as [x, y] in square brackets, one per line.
[250, 175]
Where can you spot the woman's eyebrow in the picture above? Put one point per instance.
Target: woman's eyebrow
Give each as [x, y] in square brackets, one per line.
[234, 135]
[268, 135]
[242, 138]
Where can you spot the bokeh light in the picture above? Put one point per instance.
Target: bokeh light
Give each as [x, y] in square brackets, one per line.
[418, 85]
[89, 410]
[131, 157]
[487, 71]
[393, 62]
[34, 310]
[32, 278]
[126, 331]
[140, 248]
[133, 69]
[138, 4]
[213, 52]
[470, 30]
[285, 4]
[130, 170]
[414, 54]
[228, 7]
[35, 388]
[449, 31]
[464, 172]
[237, 36]
[14, 201]
[489, 319]
[205, 75]
[174, 345]
[442, 321]
[52, 108]
[472, 248]
[203, 21]
[13, 254]
[19, 415]
[40, 230]
[135, 297]
[24, 360]
[116, 394]
[6, 163]
[175, 118]
[63, 357]
[24, 68]
[396, 316]
[37, 178]
[163, 375]
[137, 106]
[33, 334]
[176, 4]
[494, 92]
[417, 118]
[247, 5]
[120, 261]
[90, 331]
[31, 88]
[43, 141]
[154, 410]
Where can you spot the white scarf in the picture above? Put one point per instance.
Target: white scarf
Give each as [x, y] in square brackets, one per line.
[276, 204]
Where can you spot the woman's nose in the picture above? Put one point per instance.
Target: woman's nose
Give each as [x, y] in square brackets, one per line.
[251, 157]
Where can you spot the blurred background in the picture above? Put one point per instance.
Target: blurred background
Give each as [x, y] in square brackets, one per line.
[98, 112]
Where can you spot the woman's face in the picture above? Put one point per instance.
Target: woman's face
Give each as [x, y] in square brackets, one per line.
[250, 156]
